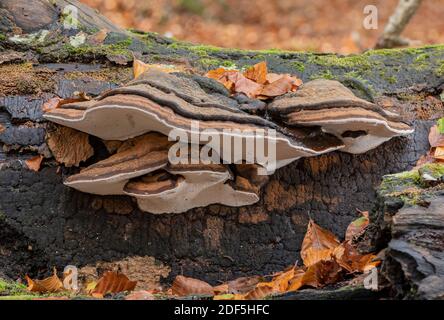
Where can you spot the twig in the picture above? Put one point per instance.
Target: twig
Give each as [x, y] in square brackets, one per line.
[391, 36]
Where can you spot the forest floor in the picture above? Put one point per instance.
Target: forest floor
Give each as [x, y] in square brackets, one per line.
[307, 25]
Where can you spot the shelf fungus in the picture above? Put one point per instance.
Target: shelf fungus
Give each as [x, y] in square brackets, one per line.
[360, 125]
[148, 123]
[177, 106]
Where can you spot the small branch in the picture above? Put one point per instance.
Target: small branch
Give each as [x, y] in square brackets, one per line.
[391, 36]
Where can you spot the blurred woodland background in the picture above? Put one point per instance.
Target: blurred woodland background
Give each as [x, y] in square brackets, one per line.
[309, 25]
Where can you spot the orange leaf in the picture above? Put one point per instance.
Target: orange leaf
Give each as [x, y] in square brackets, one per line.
[439, 153]
[257, 73]
[184, 286]
[112, 282]
[296, 282]
[259, 293]
[2, 128]
[140, 67]
[34, 163]
[57, 102]
[351, 260]
[281, 282]
[357, 227]
[229, 296]
[436, 138]
[51, 284]
[318, 244]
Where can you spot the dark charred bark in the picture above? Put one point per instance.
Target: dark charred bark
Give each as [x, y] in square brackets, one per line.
[45, 224]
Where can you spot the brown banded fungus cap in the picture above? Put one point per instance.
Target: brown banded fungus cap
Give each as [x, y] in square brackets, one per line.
[361, 125]
[134, 158]
[163, 102]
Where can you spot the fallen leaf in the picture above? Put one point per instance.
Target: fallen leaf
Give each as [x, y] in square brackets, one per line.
[318, 244]
[140, 67]
[281, 282]
[51, 298]
[184, 286]
[34, 163]
[351, 260]
[279, 85]
[90, 286]
[357, 227]
[2, 128]
[441, 125]
[69, 146]
[259, 293]
[229, 296]
[257, 73]
[50, 284]
[322, 273]
[243, 85]
[436, 138]
[112, 282]
[239, 285]
[439, 153]
[296, 282]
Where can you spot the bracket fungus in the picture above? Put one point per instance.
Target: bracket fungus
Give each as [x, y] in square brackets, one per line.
[361, 125]
[158, 114]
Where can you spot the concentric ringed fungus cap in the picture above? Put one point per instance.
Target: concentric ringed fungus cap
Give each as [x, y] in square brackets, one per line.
[361, 125]
[136, 157]
[131, 111]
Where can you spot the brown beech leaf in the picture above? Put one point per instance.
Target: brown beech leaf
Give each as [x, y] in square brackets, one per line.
[50, 284]
[257, 73]
[69, 146]
[243, 85]
[322, 273]
[112, 282]
[436, 138]
[237, 286]
[140, 67]
[318, 244]
[184, 286]
[281, 281]
[98, 37]
[439, 153]
[351, 260]
[260, 292]
[34, 163]
[57, 102]
[357, 227]
[2, 128]
[256, 82]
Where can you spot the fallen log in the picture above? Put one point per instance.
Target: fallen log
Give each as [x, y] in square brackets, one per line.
[50, 224]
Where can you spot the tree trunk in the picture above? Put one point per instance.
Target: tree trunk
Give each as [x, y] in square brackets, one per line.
[44, 224]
